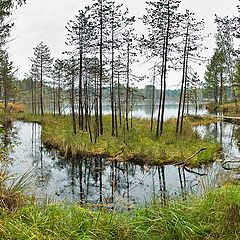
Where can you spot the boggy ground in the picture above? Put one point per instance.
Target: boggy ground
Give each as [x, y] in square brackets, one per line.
[140, 146]
[228, 109]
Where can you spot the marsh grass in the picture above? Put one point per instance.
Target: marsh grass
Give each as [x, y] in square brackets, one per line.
[14, 107]
[216, 215]
[12, 190]
[228, 109]
[197, 120]
[141, 145]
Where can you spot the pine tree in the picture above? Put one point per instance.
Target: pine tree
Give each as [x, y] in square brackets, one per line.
[43, 62]
[191, 45]
[119, 23]
[81, 37]
[162, 19]
[101, 12]
[6, 77]
[58, 78]
[225, 45]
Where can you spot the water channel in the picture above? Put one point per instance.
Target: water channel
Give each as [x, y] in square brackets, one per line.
[99, 181]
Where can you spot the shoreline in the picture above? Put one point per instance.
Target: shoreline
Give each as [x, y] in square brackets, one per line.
[141, 146]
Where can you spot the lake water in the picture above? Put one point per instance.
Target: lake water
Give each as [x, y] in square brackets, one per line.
[99, 181]
[144, 110]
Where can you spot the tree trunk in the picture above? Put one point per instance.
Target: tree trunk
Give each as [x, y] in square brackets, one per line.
[116, 122]
[86, 103]
[112, 78]
[101, 69]
[221, 88]
[165, 69]
[32, 92]
[96, 130]
[153, 97]
[73, 103]
[182, 84]
[59, 95]
[41, 86]
[119, 100]
[185, 92]
[128, 82]
[80, 101]
[161, 91]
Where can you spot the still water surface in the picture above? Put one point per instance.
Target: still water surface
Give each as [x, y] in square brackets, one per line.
[99, 181]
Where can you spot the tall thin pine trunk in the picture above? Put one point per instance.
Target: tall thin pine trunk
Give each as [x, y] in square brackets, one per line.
[221, 88]
[73, 102]
[101, 69]
[128, 83]
[119, 100]
[184, 95]
[96, 129]
[161, 91]
[32, 95]
[183, 79]
[59, 94]
[112, 78]
[41, 86]
[153, 97]
[165, 69]
[80, 97]
[86, 101]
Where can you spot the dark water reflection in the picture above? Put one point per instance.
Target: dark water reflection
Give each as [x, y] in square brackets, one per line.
[99, 181]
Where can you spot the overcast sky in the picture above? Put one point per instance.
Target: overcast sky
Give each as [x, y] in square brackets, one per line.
[45, 20]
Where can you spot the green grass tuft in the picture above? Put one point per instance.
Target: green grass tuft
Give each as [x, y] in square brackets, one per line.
[216, 215]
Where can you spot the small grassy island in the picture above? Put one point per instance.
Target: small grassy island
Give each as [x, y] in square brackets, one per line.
[139, 144]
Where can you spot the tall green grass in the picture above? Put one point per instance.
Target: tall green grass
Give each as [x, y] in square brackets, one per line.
[216, 215]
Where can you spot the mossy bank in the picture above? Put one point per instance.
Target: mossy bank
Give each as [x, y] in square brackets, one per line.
[139, 144]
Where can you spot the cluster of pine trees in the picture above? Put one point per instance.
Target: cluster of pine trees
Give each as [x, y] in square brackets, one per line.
[7, 84]
[102, 46]
[222, 76]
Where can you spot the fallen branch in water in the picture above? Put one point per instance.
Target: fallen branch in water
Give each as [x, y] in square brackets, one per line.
[192, 171]
[184, 163]
[228, 168]
[120, 152]
[189, 158]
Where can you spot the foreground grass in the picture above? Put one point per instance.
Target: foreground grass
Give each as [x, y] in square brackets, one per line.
[214, 216]
[141, 145]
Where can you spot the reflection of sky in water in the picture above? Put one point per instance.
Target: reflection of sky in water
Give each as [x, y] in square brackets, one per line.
[225, 133]
[63, 179]
[144, 111]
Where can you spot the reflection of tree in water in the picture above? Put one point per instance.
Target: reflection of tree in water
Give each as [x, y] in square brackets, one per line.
[236, 134]
[42, 170]
[98, 181]
[8, 140]
[224, 133]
